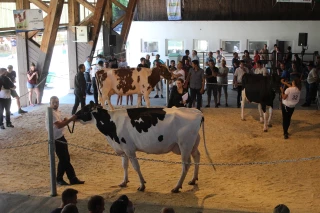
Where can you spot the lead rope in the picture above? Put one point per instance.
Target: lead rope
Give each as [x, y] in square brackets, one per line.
[71, 131]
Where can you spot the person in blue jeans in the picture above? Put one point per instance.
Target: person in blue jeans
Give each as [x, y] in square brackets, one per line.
[197, 80]
[311, 84]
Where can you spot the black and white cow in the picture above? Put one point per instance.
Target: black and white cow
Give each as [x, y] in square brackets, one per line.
[261, 90]
[150, 130]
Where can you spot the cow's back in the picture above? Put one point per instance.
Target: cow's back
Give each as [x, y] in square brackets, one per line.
[257, 88]
[153, 130]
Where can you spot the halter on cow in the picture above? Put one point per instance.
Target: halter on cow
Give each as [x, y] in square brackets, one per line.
[123, 81]
[150, 130]
[261, 90]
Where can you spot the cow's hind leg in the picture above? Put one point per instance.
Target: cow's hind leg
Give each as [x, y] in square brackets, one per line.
[242, 104]
[260, 113]
[270, 116]
[139, 100]
[146, 98]
[196, 158]
[185, 167]
[264, 109]
[125, 165]
[136, 166]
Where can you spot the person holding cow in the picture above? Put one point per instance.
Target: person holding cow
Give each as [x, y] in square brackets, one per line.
[237, 80]
[79, 89]
[197, 81]
[64, 165]
[290, 97]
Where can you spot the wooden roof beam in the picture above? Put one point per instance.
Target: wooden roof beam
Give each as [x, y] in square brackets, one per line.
[43, 6]
[128, 20]
[121, 6]
[87, 5]
[118, 21]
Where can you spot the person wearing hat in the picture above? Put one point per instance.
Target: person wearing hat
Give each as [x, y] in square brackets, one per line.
[311, 84]
[113, 61]
[12, 75]
[5, 97]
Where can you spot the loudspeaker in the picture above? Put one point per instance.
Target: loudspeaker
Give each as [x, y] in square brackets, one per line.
[303, 39]
[112, 40]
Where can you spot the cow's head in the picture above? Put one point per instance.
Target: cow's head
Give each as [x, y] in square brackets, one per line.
[164, 71]
[84, 115]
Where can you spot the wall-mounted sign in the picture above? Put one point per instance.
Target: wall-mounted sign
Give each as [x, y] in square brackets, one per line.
[28, 20]
[296, 1]
[174, 10]
[81, 33]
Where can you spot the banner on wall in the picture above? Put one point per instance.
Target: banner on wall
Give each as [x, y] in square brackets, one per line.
[28, 20]
[296, 1]
[174, 10]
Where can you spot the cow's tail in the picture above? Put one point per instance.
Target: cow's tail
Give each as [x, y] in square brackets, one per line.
[205, 145]
[98, 82]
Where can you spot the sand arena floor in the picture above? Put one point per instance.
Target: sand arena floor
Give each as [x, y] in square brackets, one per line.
[255, 188]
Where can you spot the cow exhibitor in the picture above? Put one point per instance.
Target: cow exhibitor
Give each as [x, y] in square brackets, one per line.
[64, 165]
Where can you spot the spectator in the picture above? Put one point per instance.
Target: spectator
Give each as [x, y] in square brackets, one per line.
[5, 97]
[12, 75]
[256, 58]
[294, 72]
[298, 62]
[311, 84]
[222, 80]
[279, 55]
[186, 57]
[172, 66]
[157, 60]
[219, 58]
[119, 206]
[159, 86]
[130, 207]
[290, 98]
[93, 72]
[148, 62]
[123, 63]
[235, 64]
[281, 208]
[274, 53]
[96, 204]
[248, 61]
[33, 77]
[64, 165]
[70, 208]
[179, 73]
[194, 55]
[288, 58]
[260, 69]
[113, 62]
[87, 65]
[211, 76]
[69, 196]
[143, 63]
[13, 42]
[265, 54]
[285, 76]
[79, 89]
[178, 97]
[106, 64]
[186, 67]
[210, 57]
[197, 80]
[167, 210]
[237, 80]
[100, 58]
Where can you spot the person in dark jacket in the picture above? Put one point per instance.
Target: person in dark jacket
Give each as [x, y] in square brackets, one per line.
[177, 93]
[79, 89]
[5, 97]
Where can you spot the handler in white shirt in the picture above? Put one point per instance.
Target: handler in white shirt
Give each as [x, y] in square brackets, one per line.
[290, 98]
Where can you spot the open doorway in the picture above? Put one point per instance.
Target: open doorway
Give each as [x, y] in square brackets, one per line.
[283, 45]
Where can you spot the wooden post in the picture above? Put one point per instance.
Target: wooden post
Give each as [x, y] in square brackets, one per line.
[128, 20]
[48, 40]
[22, 56]
[73, 14]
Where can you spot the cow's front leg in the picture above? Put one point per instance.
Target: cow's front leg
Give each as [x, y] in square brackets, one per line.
[139, 100]
[242, 104]
[125, 165]
[260, 113]
[146, 98]
[136, 166]
[270, 116]
[109, 103]
[185, 167]
[265, 126]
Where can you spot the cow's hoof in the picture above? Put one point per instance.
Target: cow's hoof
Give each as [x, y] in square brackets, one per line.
[141, 188]
[269, 125]
[265, 130]
[175, 190]
[193, 181]
[124, 184]
[243, 119]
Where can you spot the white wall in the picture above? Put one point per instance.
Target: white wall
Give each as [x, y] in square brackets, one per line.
[215, 31]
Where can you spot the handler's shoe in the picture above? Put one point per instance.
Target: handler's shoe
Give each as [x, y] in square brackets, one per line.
[10, 125]
[62, 183]
[76, 181]
[21, 111]
[2, 127]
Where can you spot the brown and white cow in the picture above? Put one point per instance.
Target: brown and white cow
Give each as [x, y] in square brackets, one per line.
[129, 81]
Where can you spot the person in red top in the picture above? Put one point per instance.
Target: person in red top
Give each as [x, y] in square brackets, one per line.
[33, 76]
[256, 58]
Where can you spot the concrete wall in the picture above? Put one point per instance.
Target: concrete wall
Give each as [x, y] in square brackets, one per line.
[216, 31]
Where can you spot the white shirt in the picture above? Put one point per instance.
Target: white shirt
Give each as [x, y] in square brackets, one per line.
[176, 72]
[239, 73]
[123, 64]
[57, 133]
[5, 93]
[94, 70]
[293, 97]
[312, 76]
[223, 79]
[194, 58]
[262, 71]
